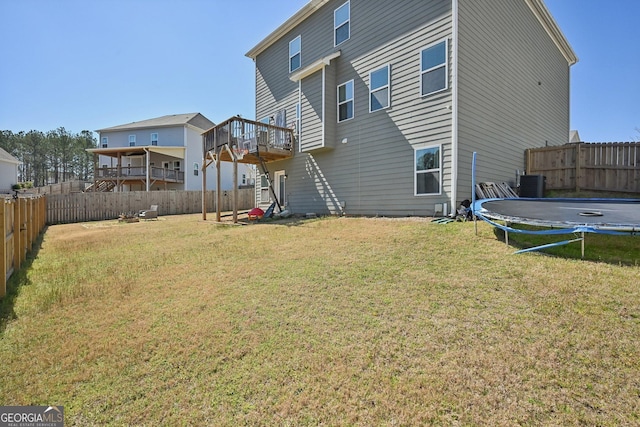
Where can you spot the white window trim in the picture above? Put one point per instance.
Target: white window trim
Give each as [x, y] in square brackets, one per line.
[446, 67]
[348, 21]
[387, 86]
[104, 142]
[132, 140]
[352, 99]
[298, 53]
[415, 172]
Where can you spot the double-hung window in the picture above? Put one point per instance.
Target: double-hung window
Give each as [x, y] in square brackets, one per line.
[342, 23]
[295, 54]
[428, 172]
[105, 142]
[345, 101]
[132, 140]
[433, 68]
[379, 93]
[154, 139]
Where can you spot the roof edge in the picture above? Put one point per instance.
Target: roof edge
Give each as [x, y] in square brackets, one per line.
[550, 25]
[306, 11]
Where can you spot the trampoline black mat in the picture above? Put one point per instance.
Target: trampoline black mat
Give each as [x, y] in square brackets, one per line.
[612, 214]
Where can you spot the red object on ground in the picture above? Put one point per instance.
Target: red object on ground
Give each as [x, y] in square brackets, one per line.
[256, 213]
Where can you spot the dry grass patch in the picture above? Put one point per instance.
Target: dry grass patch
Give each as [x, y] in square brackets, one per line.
[340, 321]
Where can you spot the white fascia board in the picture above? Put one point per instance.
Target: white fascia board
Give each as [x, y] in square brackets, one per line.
[551, 27]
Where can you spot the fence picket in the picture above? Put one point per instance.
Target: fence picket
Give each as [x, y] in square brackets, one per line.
[99, 206]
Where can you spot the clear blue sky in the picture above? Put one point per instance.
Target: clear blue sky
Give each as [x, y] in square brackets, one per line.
[90, 64]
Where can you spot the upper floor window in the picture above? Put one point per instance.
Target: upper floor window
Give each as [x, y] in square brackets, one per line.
[295, 55]
[433, 69]
[154, 139]
[345, 101]
[427, 170]
[105, 142]
[342, 23]
[379, 93]
[132, 140]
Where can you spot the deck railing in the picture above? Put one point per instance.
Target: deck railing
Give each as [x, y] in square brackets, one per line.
[244, 136]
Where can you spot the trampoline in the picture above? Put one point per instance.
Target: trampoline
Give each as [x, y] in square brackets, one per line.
[559, 216]
[613, 216]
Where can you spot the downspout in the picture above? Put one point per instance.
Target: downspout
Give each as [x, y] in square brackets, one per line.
[454, 107]
[324, 83]
[300, 124]
[148, 163]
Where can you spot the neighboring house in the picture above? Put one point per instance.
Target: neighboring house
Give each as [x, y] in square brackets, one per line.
[389, 100]
[164, 153]
[8, 171]
[574, 137]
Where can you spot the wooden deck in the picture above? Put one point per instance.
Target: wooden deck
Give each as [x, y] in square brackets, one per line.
[248, 141]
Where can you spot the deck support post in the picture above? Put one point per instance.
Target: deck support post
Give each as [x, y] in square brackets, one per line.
[218, 186]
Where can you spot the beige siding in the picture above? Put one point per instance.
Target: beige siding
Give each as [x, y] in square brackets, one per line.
[513, 87]
[312, 111]
[373, 172]
[513, 90]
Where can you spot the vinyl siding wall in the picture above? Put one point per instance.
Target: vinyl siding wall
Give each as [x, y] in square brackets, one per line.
[373, 172]
[513, 90]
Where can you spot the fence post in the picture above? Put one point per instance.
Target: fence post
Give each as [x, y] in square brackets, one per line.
[17, 259]
[24, 232]
[578, 166]
[3, 255]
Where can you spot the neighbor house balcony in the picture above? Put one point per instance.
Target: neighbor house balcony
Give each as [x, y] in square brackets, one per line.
[137, 173]
[248, 141]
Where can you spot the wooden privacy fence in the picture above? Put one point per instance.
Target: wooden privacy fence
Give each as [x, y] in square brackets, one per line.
[22, 221]
[588, 166]
[98, 206]
[61, 188]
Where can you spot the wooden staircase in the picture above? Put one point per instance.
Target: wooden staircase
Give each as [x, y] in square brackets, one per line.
[101, 186]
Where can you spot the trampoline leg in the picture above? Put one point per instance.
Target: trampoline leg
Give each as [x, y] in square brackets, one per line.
[506, 235]
[582, 243]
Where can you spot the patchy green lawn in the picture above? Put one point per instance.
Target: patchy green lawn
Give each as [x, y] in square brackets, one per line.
[336, 321]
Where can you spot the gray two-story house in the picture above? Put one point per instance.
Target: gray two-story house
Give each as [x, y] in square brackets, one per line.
[390, 99]
[163, 153]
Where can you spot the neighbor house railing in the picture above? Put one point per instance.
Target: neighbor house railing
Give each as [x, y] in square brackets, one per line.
[135, 172]
[22, 220]
[611, 167]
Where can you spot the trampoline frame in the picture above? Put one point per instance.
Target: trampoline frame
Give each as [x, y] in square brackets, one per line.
[555, 227]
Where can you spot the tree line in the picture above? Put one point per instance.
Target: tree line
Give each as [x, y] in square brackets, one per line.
[50, 157]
